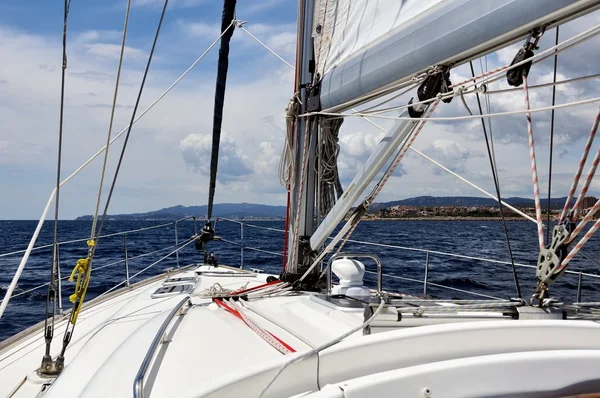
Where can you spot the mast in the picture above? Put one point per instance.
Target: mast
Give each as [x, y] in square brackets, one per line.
[227, 27]
[301, 217]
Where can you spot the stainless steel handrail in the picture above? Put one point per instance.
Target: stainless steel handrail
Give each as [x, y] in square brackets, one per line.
[138, 383]
[373, 257]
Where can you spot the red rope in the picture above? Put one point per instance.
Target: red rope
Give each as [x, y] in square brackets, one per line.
[237, 292]
[534, 177]
[267, 336]
[584, 155]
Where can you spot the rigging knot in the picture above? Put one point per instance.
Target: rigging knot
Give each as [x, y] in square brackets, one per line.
[514, 76]
[292, 110]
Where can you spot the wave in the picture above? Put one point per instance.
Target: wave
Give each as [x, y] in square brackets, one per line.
[461, 283]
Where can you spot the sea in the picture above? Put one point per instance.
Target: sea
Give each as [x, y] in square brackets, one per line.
[405, 248]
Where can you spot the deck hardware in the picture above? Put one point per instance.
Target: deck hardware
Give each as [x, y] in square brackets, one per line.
[138, 383]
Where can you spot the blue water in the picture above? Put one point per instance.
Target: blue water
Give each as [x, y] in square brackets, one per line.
[472, 238]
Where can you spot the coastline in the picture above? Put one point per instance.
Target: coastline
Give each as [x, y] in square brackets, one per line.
[439, 218]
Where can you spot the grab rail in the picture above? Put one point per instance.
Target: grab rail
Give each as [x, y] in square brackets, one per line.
[138, 383]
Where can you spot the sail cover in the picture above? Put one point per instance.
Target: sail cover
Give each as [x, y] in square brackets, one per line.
[362, 46]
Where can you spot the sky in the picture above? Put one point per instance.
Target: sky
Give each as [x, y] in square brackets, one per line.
[168, 155]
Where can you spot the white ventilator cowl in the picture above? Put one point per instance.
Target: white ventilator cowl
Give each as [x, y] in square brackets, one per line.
[351, 273]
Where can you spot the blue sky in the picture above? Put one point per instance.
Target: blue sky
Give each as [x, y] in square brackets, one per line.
[167, 158]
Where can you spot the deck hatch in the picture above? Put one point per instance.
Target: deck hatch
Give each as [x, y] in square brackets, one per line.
[181, 280]
[172, 290]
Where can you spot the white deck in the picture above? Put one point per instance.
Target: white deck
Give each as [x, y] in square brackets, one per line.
[211, 352]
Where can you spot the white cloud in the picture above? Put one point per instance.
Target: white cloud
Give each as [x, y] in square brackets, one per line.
[280, 38]
[451, 154]
[172, 4]
[196, 152]
[113, 51]
[168, 153]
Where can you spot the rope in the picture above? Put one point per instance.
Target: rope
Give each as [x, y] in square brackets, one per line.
[439, 286]
[274, 341]
[250, 248]
[552, 51]
[40, 223]
[487, 77]
[412, 148]
[263, 44]
[304, 165]
[50, 308]
[321, 348]
[534, 177]
[78, 297]
[95, 269]
[585, 220]
[377, 189]
[494, 168]
[65, 242]
[287, 160]
[586, 184]
[551, 84]
[454, 118]
[551, 141]
[328, 148]
[582, 161]
[578, 246]
[191, 240]
[252, 225]
[110, 125]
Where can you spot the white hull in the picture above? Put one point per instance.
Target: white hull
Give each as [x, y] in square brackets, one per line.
[208, 351]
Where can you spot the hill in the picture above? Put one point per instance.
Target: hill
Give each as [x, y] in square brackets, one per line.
[436, 201]
[251, 210]
[226, 210]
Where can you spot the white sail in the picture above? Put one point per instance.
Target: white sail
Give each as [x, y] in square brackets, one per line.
[365, 46]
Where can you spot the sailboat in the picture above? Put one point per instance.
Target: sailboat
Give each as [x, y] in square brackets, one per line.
[316, 329]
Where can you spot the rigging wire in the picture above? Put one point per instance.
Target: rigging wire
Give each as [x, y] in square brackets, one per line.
[536, 86]
[548, 207]
[497, 186]
[582, 161]
[489, 76]
[484, 78]
[534, 177]
[47, 365]
[454, 118]
[40, 223]
[110, 125]
[78, 300]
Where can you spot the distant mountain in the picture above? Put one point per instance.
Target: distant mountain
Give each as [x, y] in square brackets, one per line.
[247, 210]
[226, 210]
[435, 201]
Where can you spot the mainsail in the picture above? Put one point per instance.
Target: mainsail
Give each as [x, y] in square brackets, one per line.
[366, 47]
